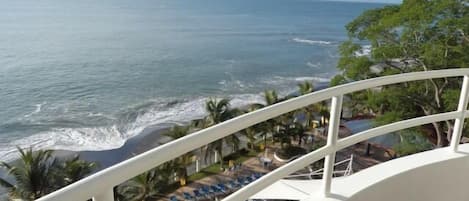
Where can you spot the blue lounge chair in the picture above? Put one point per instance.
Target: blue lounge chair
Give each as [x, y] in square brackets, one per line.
[198, 194]
[249, 179]
[222, 187]
[233, 185]
[206, 190]
[173, 198]
[215, 189]
[257, 175]
[210, 189]
[205, 193]
[187, 196]
[241, 181]
[254, 176]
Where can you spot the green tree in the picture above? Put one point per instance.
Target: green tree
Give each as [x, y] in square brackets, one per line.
[38, 173]
[146, 186]
[74, 169]
[271, 97]
[276, 125]
[417, 35]
[305, 88]
[180, 163]
[253, 132]
[309, 111]
[250, 134]
[220, 111]
[33, 175]
[411, 141]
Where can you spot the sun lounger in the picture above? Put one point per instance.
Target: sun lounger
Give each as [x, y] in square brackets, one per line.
[249, 180]
[206, 190]
[222, 187]
[216, 190]
[241, 181]
[187, 196]
[257, 175]
[199, 195]
[233, 185]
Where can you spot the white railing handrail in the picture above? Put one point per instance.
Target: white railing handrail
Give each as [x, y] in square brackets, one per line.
[345, 172]
[100, 185]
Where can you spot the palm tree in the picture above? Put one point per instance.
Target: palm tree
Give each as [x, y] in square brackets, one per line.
[299, 132]
[181, 163]
[250, 134]
[306, 87]
[273, 126]
[146, 186]
[271, 97]
[74, 169]
[219, 111]
[308, 112]
[39, 173]
[324, 112]
[143, 187]
[34, 176]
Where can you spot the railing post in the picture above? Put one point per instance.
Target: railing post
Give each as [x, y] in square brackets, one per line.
[332, 135]
[462, 107]
[107, 195]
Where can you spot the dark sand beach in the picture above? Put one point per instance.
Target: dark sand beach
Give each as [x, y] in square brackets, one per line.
[150, 138]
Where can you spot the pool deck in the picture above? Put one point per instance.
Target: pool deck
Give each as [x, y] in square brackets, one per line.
[361, 161]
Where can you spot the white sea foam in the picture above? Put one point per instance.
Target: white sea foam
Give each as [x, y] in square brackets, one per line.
[317, 79]
[37, 110]
[229, 85]
[133, 120]
[280, 80]
[311, 42]
[111, 137]
[364, 51]
[314, 65]
[73, 139]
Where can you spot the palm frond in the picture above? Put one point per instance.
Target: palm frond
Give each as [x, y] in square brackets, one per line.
[6, 184]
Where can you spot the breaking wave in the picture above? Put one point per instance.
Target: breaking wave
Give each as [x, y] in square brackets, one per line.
[74, 136]
[311, 42]
[365, 51]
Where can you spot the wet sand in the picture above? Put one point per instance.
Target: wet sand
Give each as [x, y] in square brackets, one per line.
[150, 138]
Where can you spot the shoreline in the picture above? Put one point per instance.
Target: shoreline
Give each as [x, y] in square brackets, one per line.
[149, 138]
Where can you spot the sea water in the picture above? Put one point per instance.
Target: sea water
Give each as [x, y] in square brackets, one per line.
[88, 75]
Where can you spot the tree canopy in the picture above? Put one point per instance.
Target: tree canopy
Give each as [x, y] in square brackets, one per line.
[417, 35]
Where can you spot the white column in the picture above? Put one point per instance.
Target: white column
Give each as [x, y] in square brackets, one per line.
[462, 107]
[332, 135]
[107, 195]
[216, 157]
[197, 165]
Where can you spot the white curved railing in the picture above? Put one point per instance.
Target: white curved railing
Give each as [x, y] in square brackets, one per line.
[99, 186]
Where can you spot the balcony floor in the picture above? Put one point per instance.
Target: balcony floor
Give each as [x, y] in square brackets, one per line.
[417, 177]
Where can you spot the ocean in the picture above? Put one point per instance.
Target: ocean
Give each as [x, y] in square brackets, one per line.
[89, 75]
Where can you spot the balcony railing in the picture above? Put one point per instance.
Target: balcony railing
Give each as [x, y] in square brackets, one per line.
[100, 186]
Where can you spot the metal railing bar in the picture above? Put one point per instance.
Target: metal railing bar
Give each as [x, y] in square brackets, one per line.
[292, 167]
[332, 135]
[389, 128]
[119, 173]
[459, 121]
[279, 173]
